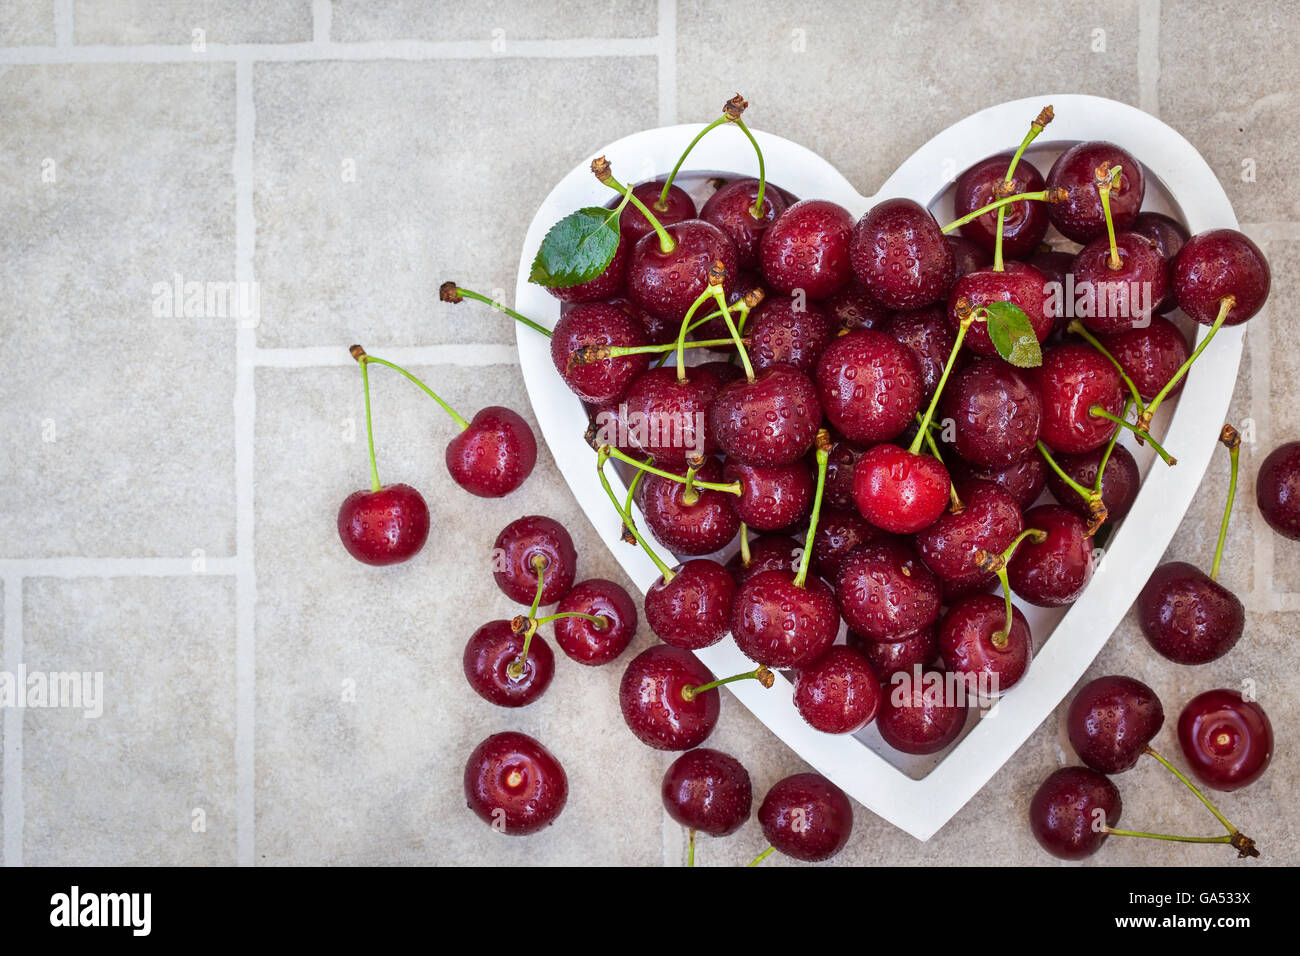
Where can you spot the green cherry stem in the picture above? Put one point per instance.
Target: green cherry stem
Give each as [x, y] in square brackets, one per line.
[1110, 447]
[1108, 179]
[954, 500]
[1226, 305]
[1226, 838]
[599, 620]
[690, 847]
[732, 489]
[745, 558]
[1245, 845]
[452, 293]
[721, 298]
[600, 166]
[455, 416]
[1044, 117]
[731, 111]
[762, 856]
[743, 306]
[1081, 330]
[631, 495]
[967, 317]
[1085, 493]
[690, 494]
[515, 669]
[823, 441]
[997, 564]
[1231, 439]
[755, 210]
[1096, 411]
[602, 456]
[680, 345]
[589, 354]
[1041, 195]
[370, 430]
[760, 674]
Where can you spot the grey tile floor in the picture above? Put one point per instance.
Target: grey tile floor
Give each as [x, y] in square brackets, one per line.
[170, 482]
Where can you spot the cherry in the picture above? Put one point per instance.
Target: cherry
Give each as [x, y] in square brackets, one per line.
[686, 518]
[494, 454]
[805, 816]
[608, 284]
[598, 324]
[967, 256]
[1227, 740]
[384, 526]
[669, 414]
[852, 307]
[692, 608]
[869, 385]
[515, 784]
[843, 459]
[770, 418]
[1072, 381]
[1018, 283]
[1121, 285]
[990, 521]
[1024, 222]
[731, 209]
[1081, 217]
[901, 255]
[1063, 812]
[658, 330]
[783, 330]
[632, 222]
[974, 639]
[838, 693]
[768, 552]
[1168, 235]
[1187, 616]
[927, 333]
[1023, 479]
[998, 415]
[838, 532]
[917, 718]
[899, 490]
[1120, 481]
[807, 248]
[885, 592]
[771, 498]
[595, 642]
[888, 658]
[1277, 490]
[1112, 721]
[709, 791]
[1150, 356]
[487, 659]
[1052, 572]
[667, 281]
[722, 372]
[1214, 265]
[534, 550]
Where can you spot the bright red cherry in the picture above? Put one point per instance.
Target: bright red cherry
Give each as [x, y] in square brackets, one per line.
[838, 693]
[589, 642]
[1024, 222]
[597, 324]
[1081, 216]
[807, 248]
[1018, 283]
[901, 256]
[1072, 380]
[514, 784]
[898, 490]
[1053, 572]
[494, 455]
[1227, 740]
[779, 623]
[1063, 813]
[990, 521]
[659, 702]
[487, 659]
[974, 639]
[690, 521]
[731, 209]
[869, 386]
[885, 591]
[387, 526]
[693, 608]
[668, 283]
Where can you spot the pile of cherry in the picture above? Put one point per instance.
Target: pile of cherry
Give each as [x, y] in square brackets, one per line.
[840, 357]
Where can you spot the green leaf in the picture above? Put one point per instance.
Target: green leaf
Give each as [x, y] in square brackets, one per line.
[576, 249]
[1012, 334]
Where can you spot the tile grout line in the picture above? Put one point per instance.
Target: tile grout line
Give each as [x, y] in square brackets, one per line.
[64, 22]
[12, 658]
[667, 47]
[322, 20]
[245, 416]
[1148, 56]
[319, 356]
[78, 567]
[1259, 339]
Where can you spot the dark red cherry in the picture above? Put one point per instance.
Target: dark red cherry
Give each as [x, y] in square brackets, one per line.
[494, 455]
[777, 623]
[1022, 479]
[852, 307]
[731, 209]
[1114, 299]
[887, 658]
[785, 330]
[1277, 490]
[967, 256]
[1024, 223]
[806, 817]
[1150, 356]
[869, 386]
[514, 784]
[839, 531]
[721, 371]
[768, 552]
[588, 642]
[990, 521]
[898, 490]
[657, 701]
[1080, 217]
[838, 693]
[608, 425]
[1018, 283]
[669, 416]
[927, 333]
[708, 791]
[693, 610]
[384, 527]
[490, 652]
[658, 330]
[921, 716]
[1055, 572]
[843, 458]
[1168, 235]
[972, 640]
[996, 412]
[1219, 263]
[1228, 741]
[1187, 616]
[1072, 379]
[770, 421]
[807, 248]
[1063, 813]
[901, 255]
[771, 498]
[608, 284]
[1112, 720]
[519, 545]
[697, 523]
[598, 324]
[633, 224]
[1119, 485]
[885, 592]
[667, 283]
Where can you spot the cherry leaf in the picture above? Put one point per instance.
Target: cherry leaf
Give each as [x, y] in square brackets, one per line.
[577, 248]
[1012, 334]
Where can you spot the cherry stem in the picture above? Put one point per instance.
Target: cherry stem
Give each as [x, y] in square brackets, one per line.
[666, 243]
[1108, 179]
[761, 674]
[599, 620]
[1002, 637]
[689, 493]
[450, 292]
[762, 856]
[1226, 305]
[823, 458]
[596, 353]
[370, 431]
[1192, 787]
[662, 202]
[732, 489]
[602, 456]
[755, 210]
[721, 298]
[967, 318]
[997, 564]
[1079, 329]
[680, 345]
[1226, 838]
[1096, 506]
[742, 307]
[1096, 411]
[745, 558]
[1044, 117]
[690, 847]
[1231, 439]
[631, 494]
[954, 501]
[1041, 195]
[515, 668]
[1085, 493]
[455, 416]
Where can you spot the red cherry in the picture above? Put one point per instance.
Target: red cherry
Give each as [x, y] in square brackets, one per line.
[494, 455]
[888, 658]
[1081, 216]
[916, 716]
[997, 413]
[1227, 740]
[869, 386]
[608, 284]
[990, 521]
[901, 256]
[1119, 484]
[1018, 283]
[783, 330]
[1216, 264]
[973, 640]
[1024, 222]
[598, 324]
[384, 527]
[731, 209]
[853, 307]
[491, 650]
[702, 524]
[1187, 616]
[586, 641]
[669, 415]
[771, 498]
[633, 224]
[780, 624]
[770, 421]
[838, 693]
[898, 490]
[1114, 299]
[708, 791]
[839, 531]
[1052, 573]
[807, 248]
[693, 610]
[515, 784]
[885, 592]
[768, 552]
[927, 333]
[1150, 356]
[1277, 490]
[1022, 479]
[523, 543]
[1071, 380]
[1112, 720]
[807, 817]
[654, 706]
[667, 283]
[1063, 813]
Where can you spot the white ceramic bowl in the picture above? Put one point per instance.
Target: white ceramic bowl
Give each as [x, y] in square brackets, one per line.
[921, 794]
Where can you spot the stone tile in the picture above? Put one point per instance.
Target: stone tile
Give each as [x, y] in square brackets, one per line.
[441, 20]
[27, 23]
[379, 779]
[1229, 84]
[174, 21]
[377, 181]
[123, 788]
[121, 420]
[865, 85]
[1277, 318]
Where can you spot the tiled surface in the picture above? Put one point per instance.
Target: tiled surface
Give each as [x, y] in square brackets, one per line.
[377, 171]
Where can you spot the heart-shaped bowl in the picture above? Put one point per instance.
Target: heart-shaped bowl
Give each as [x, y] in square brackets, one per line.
[920, 794]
